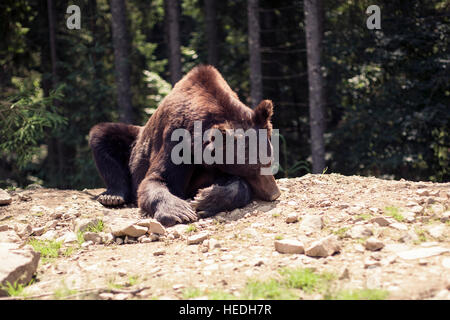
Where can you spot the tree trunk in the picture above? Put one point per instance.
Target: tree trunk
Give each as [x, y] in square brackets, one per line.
[255, 52]
[173, 22]
[313, 27]
[54, 145]
[121, 54]
[211, 31]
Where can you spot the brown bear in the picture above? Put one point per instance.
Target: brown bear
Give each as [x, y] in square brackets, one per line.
[135, 162]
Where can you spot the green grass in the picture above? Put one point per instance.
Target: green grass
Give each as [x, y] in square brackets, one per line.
[49, 249]
[63, 291]
[421, 234]
[99, 227]
[133, 280]
[364, 216]
[278, 237]
[394, 212]
[15, 289]
[360, 294]
[341, 232]
[190, 293]
[275, 214]
[191, 229]
[289, 286]
[270, 290]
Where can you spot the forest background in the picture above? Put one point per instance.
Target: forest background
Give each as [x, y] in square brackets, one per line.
[384, 98]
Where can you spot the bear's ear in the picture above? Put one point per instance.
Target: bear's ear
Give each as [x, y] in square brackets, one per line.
[263, 112]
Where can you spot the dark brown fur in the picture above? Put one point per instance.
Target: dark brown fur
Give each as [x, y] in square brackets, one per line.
[135, 161]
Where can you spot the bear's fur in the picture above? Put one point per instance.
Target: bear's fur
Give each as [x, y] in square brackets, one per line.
[135, 162]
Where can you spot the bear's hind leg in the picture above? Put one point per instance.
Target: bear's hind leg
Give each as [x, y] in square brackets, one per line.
[111, 145]
[225, 195]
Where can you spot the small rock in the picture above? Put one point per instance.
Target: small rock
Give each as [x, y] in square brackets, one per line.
[69, 237]
[409, 216]
[416, 210]
[345, 274]
[265, 208]
[159, 252]
[38, 231]
[106, 295]
[23, 230]
[119, 241]
[370, 263]
[144, 239]
[129, 230]
[51, 224]
[422, 192]
[154, 237]
[324, 247]
[359, 231]
[292, 218]
[107, 238]
[153, 226]
[381, 221]
[197, 238]
[436, 231]
[311, 223]
[446, 263]
[399, 226]
[373, 244]
[289, 246]
[422, 253]
[86, 244]
[92, 236]
[445, 216]
[4, 227]
[49, 235]
[9, 236]
[214, 243]
[5, 198]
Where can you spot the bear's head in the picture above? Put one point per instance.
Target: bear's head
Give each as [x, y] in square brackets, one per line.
[246, 149]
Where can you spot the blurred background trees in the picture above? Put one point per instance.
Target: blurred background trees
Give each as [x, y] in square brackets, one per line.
[386, 92]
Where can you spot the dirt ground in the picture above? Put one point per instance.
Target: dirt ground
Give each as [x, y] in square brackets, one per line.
[240, 244]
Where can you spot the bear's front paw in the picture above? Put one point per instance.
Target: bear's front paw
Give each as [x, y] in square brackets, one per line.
[175, 211]
[110, 199]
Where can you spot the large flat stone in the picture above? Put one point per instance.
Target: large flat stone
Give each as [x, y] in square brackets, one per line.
[17, 264]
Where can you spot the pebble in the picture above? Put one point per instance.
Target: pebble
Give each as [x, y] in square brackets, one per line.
[289, 246]
[359, 231]
[86, 244]
[92, 236]
[159, 252]
[416, 209]
[399, 226]
[5, 198]
[381, 221]
[153, 226]
[373, 244]
[292, 218]
[436, 231]
[311, 223]
[422, 192]
[446, 263]
[49, 235]
[422, 253]
[119, 241]
[324, 247]
[198, 238]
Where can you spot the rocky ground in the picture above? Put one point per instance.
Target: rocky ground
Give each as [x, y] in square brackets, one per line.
[388, 238]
